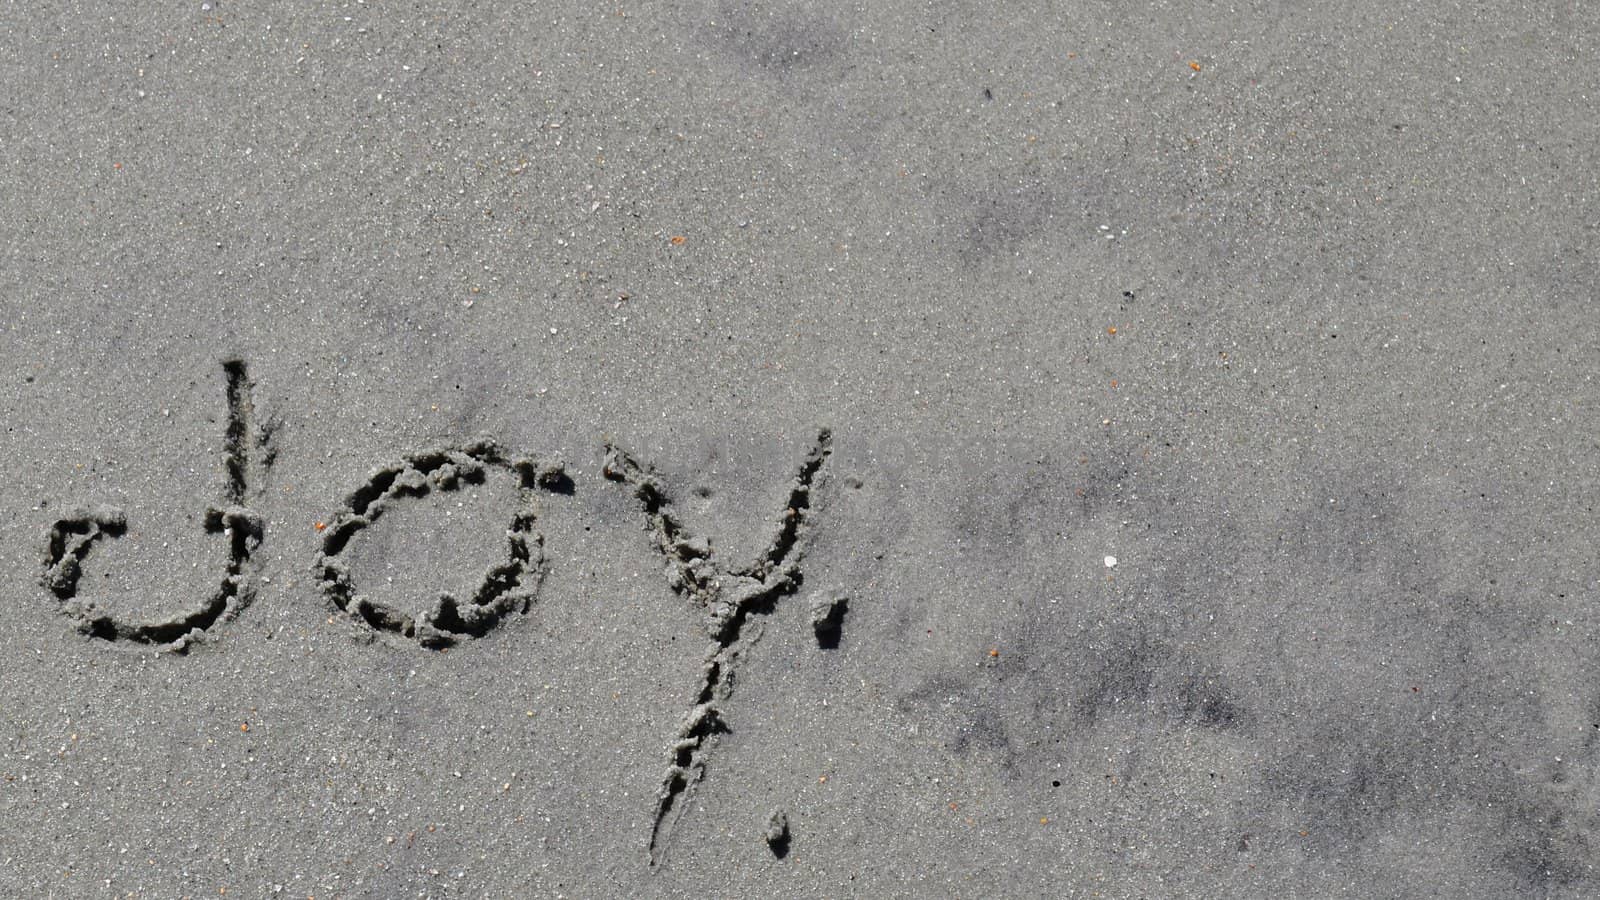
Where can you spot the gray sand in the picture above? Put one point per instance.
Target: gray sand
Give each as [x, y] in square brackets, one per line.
[1289, 311]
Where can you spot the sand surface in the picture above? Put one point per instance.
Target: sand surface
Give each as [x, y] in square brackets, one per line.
[681, 450]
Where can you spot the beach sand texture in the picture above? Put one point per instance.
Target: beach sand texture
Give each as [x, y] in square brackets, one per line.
[716, 449]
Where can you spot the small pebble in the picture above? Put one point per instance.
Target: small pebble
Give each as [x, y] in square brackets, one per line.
[777, 834]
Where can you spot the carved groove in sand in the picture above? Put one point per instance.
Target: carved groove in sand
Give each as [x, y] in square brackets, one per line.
[71, 540]
[729, 596]
[508, 588]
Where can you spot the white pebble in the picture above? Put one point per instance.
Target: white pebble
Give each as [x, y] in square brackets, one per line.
[1111, 562]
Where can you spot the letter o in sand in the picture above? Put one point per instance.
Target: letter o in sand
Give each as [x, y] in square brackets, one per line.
[507, 588]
